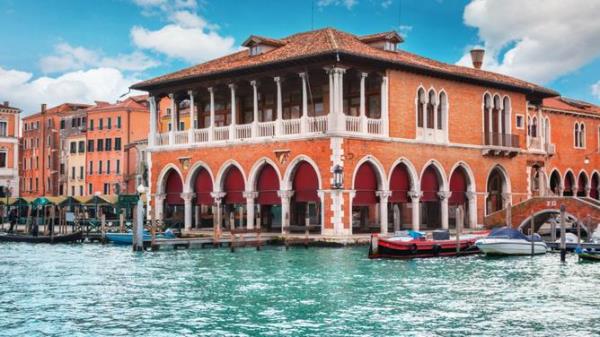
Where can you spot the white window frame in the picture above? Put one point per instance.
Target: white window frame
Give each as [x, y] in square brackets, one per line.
[522, 118]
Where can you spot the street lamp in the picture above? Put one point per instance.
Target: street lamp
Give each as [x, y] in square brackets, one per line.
[338, 177]
[586, 160]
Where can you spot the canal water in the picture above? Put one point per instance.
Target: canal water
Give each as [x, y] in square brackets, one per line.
[94, 290]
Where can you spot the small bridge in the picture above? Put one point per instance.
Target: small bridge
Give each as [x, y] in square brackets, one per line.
[586, 210]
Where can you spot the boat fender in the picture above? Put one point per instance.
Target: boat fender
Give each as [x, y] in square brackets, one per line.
[436, 249]
[413, 249]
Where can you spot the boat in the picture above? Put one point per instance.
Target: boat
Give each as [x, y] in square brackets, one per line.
[587, 255]
[127, 238]
[509, 241]
[412, 244]
[62, 238]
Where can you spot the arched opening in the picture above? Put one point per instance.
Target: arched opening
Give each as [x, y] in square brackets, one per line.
[582, 183]
[431, 110]
[203, 204]
[421, 100]
[555, 183]
[487, 105]
[459, 182]
[569, 188]
[268, 202]
[173, 204]
[431, 207]
[496, 116]
[399, 205]
[594, 185]
[305, 201]
[536, 181]
[365, 210]
[496, 186]
[234, 203]
[506, 115]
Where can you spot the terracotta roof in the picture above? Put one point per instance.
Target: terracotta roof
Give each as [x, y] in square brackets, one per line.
[128, 104]
[62, 108]
[7, 106]
[569, 104]
[328, 41]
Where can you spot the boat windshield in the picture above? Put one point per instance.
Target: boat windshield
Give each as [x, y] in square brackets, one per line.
[510, 233]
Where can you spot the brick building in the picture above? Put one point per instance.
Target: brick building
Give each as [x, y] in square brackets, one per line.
[72, 135]
[110, 128]
[41, 150]
[356, 135]
[9, 149]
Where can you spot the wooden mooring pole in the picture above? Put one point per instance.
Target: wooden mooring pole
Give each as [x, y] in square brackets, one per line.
[563, 230]
[531, 231]
[459, 226]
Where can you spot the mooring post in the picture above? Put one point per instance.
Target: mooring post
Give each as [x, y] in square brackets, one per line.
[509, 215]
[563, 230]
[103, 227]
[306, 226]
[231, 231]
[459, 225]
[122, 220]
[138, 244]
[258, 231]
[531, 231]
[553, 230]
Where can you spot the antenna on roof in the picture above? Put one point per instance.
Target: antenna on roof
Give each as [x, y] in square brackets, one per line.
[312, 15]
[127, 93]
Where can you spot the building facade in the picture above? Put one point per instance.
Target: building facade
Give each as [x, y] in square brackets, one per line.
[72, 135]
[110, 128]
[9, 150]
[351, 134]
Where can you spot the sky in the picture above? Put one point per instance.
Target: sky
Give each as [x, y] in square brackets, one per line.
[81, 51]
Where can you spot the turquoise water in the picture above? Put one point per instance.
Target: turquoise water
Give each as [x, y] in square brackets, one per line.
[94, 290]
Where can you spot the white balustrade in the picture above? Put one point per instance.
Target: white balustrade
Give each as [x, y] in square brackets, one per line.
[375, 126]
[290, 126]
[162, 139]
[221, 133]
[317, 124]
[352, 123]
[243, 131]
[266, 129]
[201, 135]
[181, 137]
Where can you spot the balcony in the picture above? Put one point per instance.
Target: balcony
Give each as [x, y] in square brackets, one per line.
[500, 144]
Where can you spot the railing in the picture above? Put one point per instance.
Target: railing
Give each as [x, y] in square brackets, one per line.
[243, 131]
[290, 127]
[317, 124]
[501, 139]
[352, 124]
[201, 135]
[162, 139]
[181, 137]
[535, 143]
[375, 126]
[221, 133]
[266, 129]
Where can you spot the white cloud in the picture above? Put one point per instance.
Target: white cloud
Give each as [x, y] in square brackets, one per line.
[386, 3]
[596, 89]
[346, 3]
[404, 30]
[188, 37]
[27, 93]
[537, 40]
[67, 58]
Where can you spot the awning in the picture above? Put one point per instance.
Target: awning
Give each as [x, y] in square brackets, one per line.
[203, 186]
[399, 184]
[234, 187]
[458, 187]
[365, 185]
[430, 185]
[305, 183]
[267, 187]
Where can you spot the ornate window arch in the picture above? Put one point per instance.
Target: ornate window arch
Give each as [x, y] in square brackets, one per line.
[421, 100]
[442, 111]
[431, 103]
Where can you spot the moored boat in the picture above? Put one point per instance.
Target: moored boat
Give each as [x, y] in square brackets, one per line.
[415, 245]
[63, 238]
[508, 241]
[127, 238]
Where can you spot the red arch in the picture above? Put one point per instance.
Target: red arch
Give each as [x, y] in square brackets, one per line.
[173, 188]
[594, 186]
[267, 186]
[365, 184]
[234, 186]
[458, 187]
[430, 184]
[203, 186]
[569, 182]
[305, 183]
[581, 183]
[399, 184]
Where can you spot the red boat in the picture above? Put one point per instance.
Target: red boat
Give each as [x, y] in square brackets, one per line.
[410, 248]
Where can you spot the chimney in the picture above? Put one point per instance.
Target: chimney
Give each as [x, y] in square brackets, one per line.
[6, 104]
[477, 57]
[44, 108]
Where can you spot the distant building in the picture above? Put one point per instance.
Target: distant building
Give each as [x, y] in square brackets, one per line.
[110, 128]
[9, 150]
[73, 125]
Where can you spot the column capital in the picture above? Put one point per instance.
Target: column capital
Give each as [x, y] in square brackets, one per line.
[151, 99]
[335, 70]
[160, 196]
[364, 75]
[506, 197]
[285, 194]
[470, 195]
[232, 86]
[250, 195]
[171, 96]
[192, 92]
[187, 196]
[210, 90]
[254, 83]
[302, 75]
[217, 196]
[383, 194]
[277, 79]
[415, 195]
[443, 195]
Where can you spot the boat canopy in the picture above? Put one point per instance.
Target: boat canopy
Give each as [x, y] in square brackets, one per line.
[511, 233]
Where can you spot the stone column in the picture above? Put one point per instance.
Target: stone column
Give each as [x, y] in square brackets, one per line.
[212, 114]
[363, 110]
[218, 211]
[232, 134]
[250, 197]
[159, 204]
[192, 114]
[336, 94]
[304, 117]
[153, 121]
[279, 107]
[472, 200]
[286, 196]
[415, 197]
[506, 199]
[187, 209]
[383, 212]
[254, 85]
[173, 120]
[444, 196]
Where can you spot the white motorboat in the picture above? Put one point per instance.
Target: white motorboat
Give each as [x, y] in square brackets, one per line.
[508, 241]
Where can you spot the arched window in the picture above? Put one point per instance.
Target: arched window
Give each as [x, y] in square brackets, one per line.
[442, 109]
[534, 127]
[431, 110]
[420, 103]
[529, 126]
[496, 115]
[506, 109]
[487, 105]
[576, 135]
[582, 135]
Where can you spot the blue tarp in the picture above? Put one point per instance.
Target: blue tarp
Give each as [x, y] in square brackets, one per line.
[511, 233]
